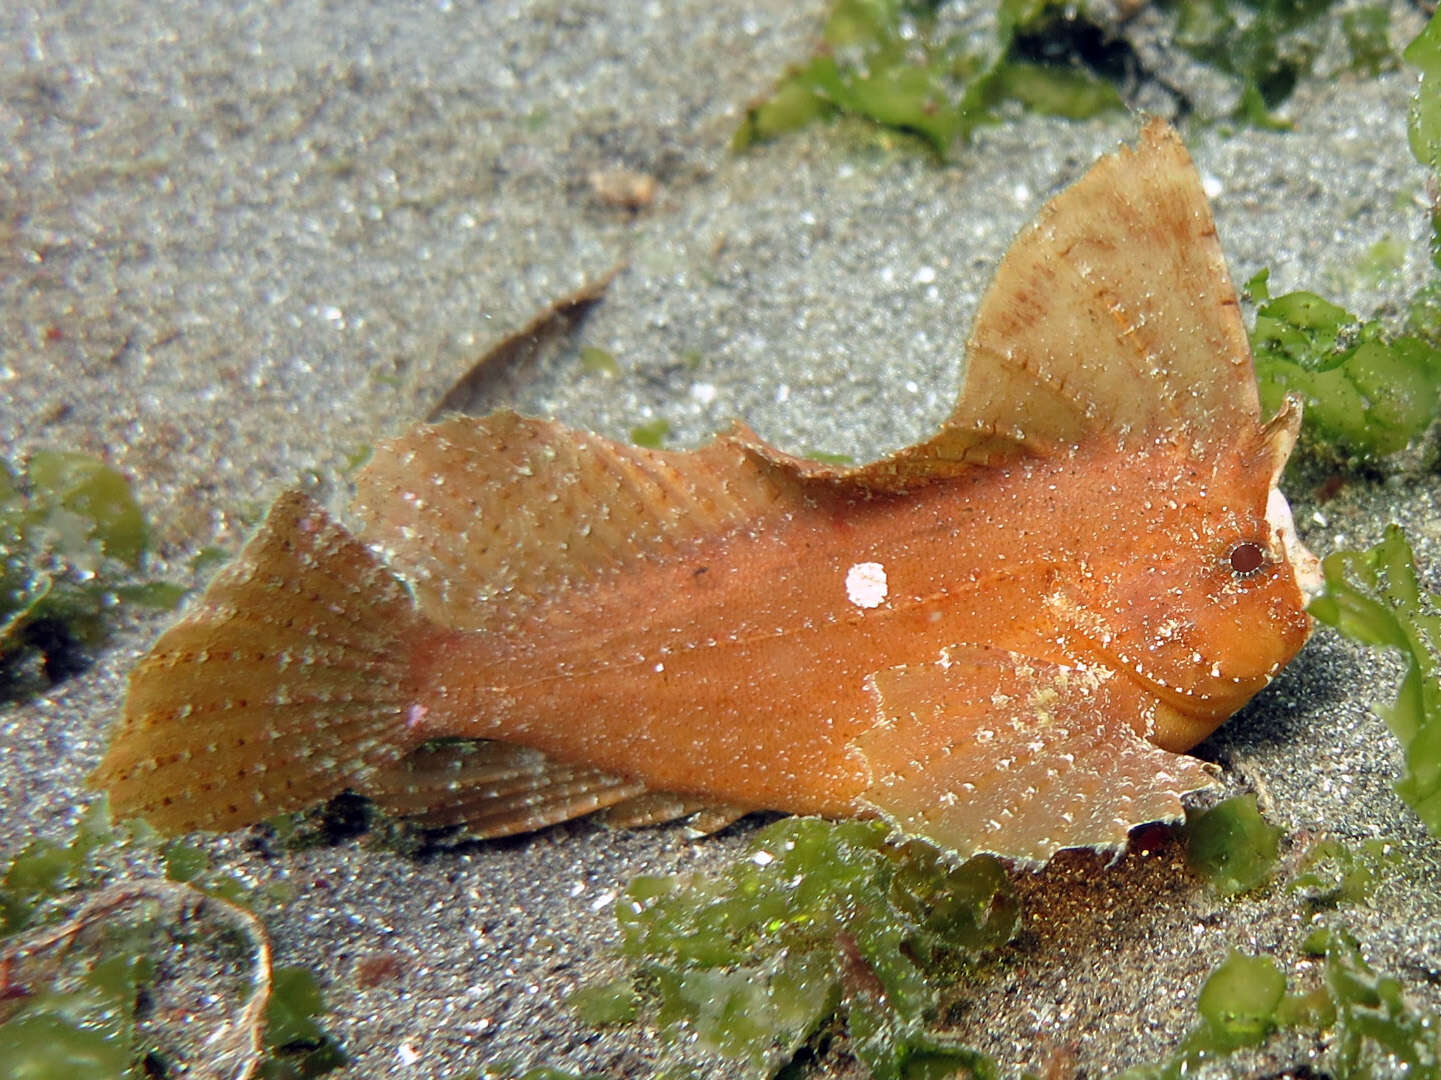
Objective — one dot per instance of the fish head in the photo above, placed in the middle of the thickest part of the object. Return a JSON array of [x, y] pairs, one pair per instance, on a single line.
[[1202, 597]]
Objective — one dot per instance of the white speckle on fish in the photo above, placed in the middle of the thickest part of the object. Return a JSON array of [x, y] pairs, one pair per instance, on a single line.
[[866, 584]]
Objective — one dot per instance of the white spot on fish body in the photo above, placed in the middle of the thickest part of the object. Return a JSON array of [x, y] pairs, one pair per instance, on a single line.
[[866, 584]]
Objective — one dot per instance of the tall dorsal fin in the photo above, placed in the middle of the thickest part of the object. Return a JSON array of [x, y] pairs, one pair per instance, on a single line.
[[471, 510], [1113, 314], [1111, 317]]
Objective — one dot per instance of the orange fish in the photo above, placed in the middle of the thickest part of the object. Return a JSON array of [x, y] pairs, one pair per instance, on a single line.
[[1000, 639]]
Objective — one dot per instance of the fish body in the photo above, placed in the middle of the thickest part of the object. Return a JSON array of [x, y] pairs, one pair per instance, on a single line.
[[1000, 639]]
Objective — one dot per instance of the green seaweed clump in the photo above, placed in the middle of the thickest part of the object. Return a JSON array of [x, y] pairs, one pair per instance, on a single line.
[[1367, 1023], [508, 1071], [85, 1032], [598, 361], [144, 969], [1268, 45], [651, 436], [1333, 873], [1376, 598], [820, 920], [1364, 389], [1238, 1002], [1423, 129], [1241, 1004], [297, 1046], [605, 1004], [71, 544], [44, 871], [890, 62], [1232, 846], [1374, 1027]]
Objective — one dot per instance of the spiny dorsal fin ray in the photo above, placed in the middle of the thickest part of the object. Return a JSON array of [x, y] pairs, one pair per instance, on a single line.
[[472, 510], [1112, 316], [280, 687], [987, 751]]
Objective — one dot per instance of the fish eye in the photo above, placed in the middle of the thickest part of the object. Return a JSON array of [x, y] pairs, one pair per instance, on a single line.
[[1246, 558]]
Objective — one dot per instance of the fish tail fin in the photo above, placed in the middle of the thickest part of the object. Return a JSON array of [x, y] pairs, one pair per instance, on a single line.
[[283, 685]]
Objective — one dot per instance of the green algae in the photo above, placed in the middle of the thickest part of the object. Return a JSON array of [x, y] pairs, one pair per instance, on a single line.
[[87, 1009], [1367, 33], [651, 435], [877, 61], [1073, 93], [604, 1004], [1232, 846], [1423, 129], [1269, 45], [1369, 1027], [1238, 1003], [184, 862], [86, 1033], [1383, 260], [189, 865], [1241, 1004], [72, 544], [45, 870], [1375, 597], [820, 920], [212, 558], [298, 1045], [598, 361], [1367, 390], [1364, 389], [893, 63], [1333, 873], [1375, 1028], [507, 1071]]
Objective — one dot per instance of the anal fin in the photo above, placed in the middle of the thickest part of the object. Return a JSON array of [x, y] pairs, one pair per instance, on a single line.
[[494, 788], [985, 750], [659, 807]]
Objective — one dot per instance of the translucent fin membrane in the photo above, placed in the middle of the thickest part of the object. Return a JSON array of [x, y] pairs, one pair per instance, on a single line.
[[473, 511], [494, 789], [658, 807]]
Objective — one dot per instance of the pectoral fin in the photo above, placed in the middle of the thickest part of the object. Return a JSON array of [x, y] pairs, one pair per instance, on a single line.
[[985, 750]]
